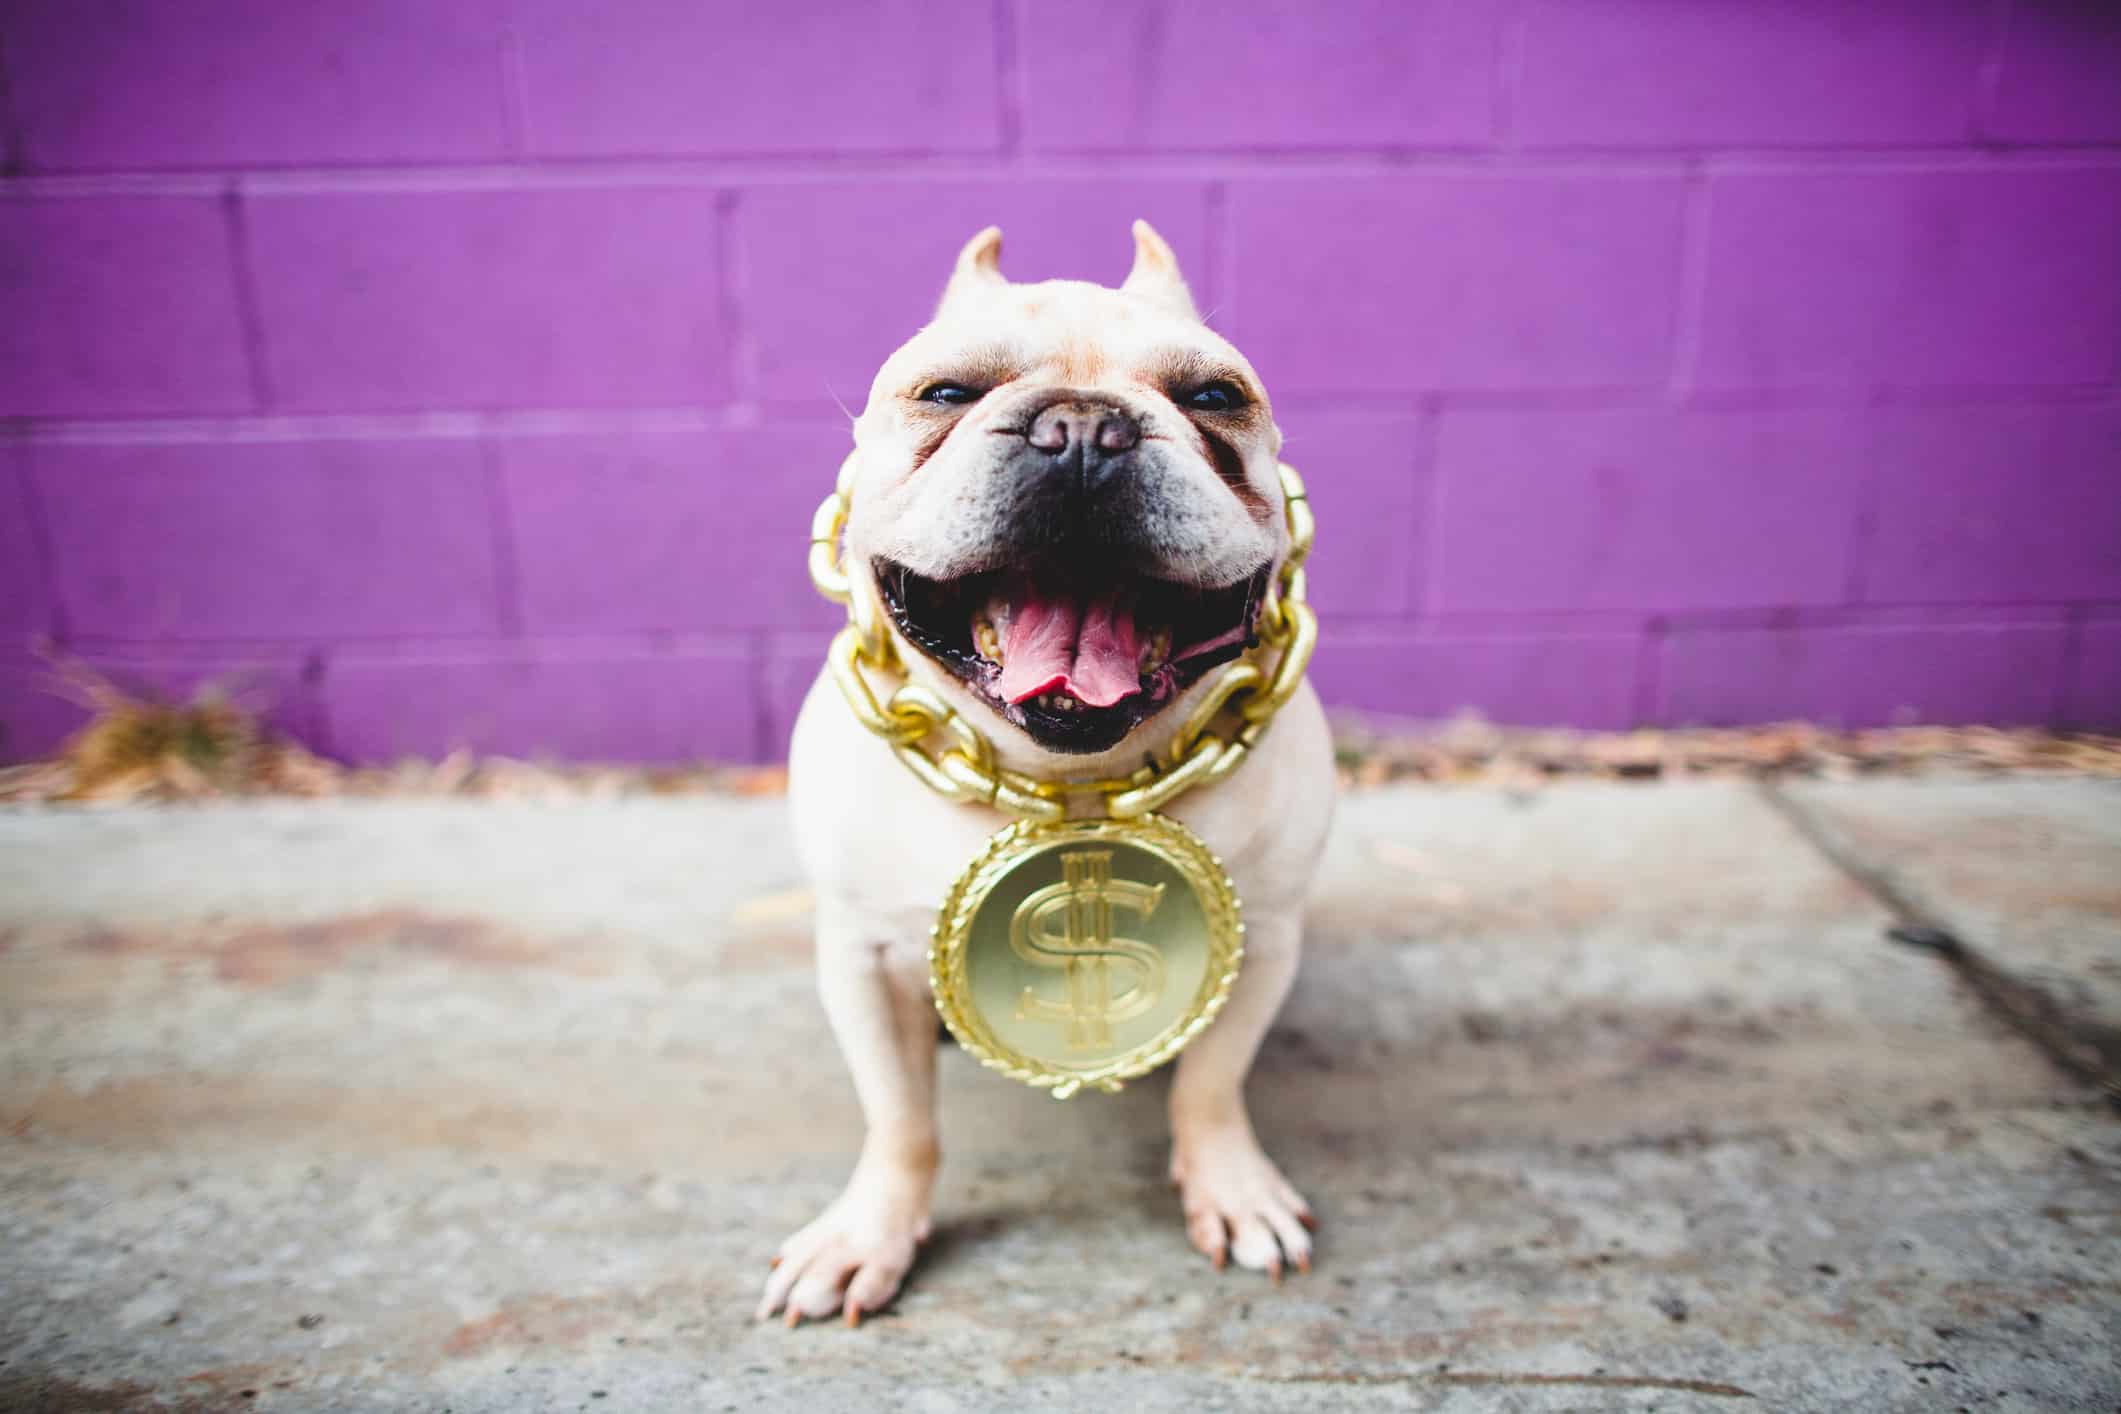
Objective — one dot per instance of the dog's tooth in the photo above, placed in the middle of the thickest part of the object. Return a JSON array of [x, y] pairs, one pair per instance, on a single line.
[[987, 641], [1156, 650]]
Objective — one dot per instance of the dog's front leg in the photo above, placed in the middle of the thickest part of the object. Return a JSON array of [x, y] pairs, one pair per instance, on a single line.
[[859, 1249], [1236, 1202]]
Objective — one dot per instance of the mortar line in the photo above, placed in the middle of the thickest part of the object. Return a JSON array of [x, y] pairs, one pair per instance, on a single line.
[[1215, 239], [242, 274], [1690, 300], [2002, 997], [2074, 618], [1423, 597], [14, 143], [515, 91], [915, 166], [1506, 79], [31, 495], [1863, 537], [1653, 643], [763, 746], [1008, 83], [501, 539], [740, 360], [1988, 73]]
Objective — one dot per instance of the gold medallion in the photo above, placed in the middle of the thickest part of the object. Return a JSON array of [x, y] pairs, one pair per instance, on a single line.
[[1086, 952]]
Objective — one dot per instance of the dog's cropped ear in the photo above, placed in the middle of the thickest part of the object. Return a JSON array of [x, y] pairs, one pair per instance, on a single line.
[[978, 271], [1155, 273]]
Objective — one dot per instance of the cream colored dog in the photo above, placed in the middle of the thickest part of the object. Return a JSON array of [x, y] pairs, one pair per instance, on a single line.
[[1066, 507]]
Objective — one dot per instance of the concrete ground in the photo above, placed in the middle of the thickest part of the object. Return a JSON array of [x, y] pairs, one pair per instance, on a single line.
[[1610, 1097]]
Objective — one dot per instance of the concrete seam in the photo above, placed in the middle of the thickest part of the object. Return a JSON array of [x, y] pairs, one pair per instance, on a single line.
[[2022, 1007]]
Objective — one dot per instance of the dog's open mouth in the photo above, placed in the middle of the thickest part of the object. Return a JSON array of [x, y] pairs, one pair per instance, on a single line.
[[1078, 662]]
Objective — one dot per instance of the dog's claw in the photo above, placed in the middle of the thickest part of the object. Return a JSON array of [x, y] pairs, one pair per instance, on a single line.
[[795, 1317], [1303, 1263], [773, 1264], [1308, 1219], [854, 1315], [1274, 1271]]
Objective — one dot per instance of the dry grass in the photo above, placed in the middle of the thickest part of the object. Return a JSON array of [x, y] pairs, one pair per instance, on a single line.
[[137, 748], [1472, 750]]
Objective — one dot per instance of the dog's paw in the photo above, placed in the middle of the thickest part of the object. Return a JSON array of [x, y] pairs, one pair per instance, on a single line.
[[1237, 1204], [852, 1256]]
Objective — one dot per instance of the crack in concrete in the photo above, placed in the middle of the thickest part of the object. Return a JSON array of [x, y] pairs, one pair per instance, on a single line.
[[1492, 1379], [2080, 1048]]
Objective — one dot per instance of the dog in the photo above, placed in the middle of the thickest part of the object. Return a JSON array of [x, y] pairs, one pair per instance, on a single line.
[[1064, 501]]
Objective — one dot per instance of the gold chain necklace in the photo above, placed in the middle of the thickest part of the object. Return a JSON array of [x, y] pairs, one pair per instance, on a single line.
[[1029, 972]]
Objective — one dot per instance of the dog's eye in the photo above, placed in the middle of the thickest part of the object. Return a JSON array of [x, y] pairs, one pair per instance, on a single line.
[[948, 394], [1219, 396]]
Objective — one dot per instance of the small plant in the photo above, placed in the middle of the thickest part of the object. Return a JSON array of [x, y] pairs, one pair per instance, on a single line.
[[137, 746]]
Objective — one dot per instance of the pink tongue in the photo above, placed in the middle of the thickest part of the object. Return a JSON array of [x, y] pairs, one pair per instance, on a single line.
[[1088, 650]]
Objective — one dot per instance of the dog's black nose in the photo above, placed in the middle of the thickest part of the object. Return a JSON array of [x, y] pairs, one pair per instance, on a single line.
[[1088, 441]]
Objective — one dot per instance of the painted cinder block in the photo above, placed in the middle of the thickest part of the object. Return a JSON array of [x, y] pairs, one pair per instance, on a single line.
[[691, 701], [672, 77], [838, 274], [1369, 489], [1529, 679], [793, 664], [1645, 509], [1461, 281], [1908, 278], [2059, 79], [2091, 697], [128, 84], [567, 297], [218, 540], [1195, 74], [1648, 73], [36, 715], [1995, 505], [25, 608], [118, 305], [1863, 675], [669, 528]]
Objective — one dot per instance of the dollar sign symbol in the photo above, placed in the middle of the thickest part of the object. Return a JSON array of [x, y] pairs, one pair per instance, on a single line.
[[1084, 948]]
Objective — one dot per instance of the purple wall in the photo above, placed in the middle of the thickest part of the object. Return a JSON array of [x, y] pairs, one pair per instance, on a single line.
[[466, 372]]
